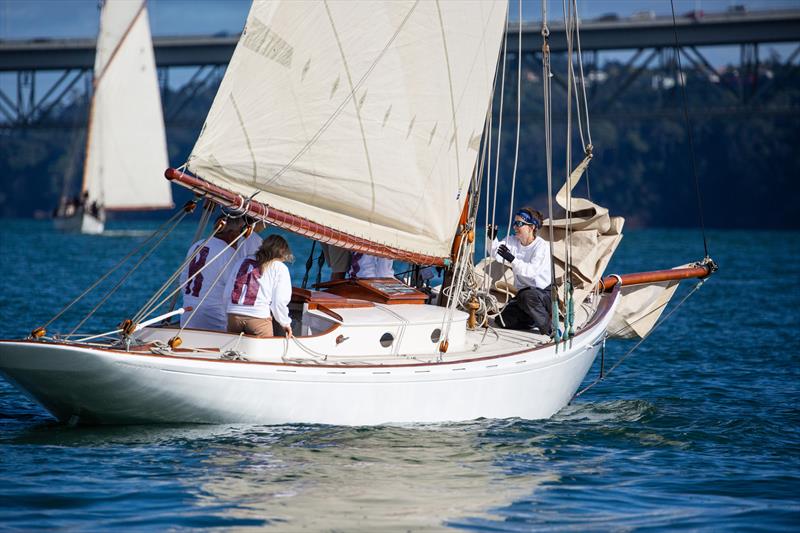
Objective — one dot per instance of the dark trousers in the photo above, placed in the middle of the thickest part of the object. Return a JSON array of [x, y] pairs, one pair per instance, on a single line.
[[530, 308]]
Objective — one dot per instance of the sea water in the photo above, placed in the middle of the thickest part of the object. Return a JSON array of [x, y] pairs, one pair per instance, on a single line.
[[698, 428]]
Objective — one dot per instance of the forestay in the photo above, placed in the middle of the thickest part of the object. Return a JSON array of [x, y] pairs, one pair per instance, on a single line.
[[126, 146], [364, 117]]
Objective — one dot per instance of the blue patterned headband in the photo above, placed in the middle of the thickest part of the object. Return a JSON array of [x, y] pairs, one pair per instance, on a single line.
[[524, 215]]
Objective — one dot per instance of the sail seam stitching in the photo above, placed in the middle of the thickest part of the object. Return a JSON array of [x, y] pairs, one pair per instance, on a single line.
[[246, 137], [450, 87], [356, 106], [341, 106]]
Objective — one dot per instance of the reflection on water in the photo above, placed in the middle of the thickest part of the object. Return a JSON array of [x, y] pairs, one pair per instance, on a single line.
[[362, 479], [294, 477]]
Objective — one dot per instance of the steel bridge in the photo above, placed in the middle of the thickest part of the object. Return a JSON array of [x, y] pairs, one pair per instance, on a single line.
[[43, 75]]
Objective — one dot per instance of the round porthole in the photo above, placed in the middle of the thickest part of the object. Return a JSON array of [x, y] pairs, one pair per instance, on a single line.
[[387, 339], [436, 335]]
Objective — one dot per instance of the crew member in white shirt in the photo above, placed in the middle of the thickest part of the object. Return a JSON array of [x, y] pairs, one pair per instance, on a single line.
[[209, 260], [259, 289], [529, 257], [251, 243], [370, 266]]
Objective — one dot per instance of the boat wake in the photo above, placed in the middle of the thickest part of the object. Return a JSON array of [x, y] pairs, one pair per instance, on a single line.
[[126, 233], [611, 411]]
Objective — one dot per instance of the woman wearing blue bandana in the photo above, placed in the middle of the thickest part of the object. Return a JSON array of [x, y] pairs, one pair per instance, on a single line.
[[529, 258]]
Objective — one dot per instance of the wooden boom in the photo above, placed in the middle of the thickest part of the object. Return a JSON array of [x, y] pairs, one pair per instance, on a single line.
[[700, 270], [299, 225]]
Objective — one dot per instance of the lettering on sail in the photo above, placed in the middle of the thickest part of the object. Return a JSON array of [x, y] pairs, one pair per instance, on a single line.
[[264, 41]]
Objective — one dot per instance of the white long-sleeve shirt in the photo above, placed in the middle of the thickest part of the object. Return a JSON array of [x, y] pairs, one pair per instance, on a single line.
[[368, 266], [248, 246], [531, 265], [250, 292], [211, 314]]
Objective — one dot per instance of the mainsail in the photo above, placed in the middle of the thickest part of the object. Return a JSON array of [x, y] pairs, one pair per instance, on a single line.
[[126, 145], [362, 117]]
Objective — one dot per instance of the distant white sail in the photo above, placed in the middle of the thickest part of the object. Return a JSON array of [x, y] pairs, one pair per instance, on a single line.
[[126, 146], [364, 117]]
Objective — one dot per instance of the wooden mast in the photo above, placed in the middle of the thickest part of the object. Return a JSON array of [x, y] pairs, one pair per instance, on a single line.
[[299, 225]]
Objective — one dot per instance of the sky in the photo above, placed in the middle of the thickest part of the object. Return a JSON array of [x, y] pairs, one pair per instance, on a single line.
[[31, 19]]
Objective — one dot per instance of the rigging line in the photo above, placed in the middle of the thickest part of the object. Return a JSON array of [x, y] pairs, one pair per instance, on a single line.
[[488, 186], [131, 271], [145, 309], [113, 269], [488, 141], [208, 209], [568, 28], [682, 82], [548, 141], [199, 271], [629, 352], [519, 103], [341, 106], [580, 66], [213, 283], [499, 136]]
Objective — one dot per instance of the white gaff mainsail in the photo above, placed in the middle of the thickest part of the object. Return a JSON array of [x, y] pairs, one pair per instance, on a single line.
[[364, 117], [126, 145]]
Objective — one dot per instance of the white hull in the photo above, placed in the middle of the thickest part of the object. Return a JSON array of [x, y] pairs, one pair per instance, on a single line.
[[80, 222], [111, 386]]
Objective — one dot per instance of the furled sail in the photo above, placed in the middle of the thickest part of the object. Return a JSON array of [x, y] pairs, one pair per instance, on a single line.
[[594, 238], [126, 145], [363, 117]]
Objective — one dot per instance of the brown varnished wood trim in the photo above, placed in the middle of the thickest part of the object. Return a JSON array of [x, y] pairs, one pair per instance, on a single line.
[[299, 225], [602, 311]]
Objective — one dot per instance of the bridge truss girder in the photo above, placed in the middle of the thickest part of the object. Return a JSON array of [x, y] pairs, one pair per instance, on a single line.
[[28, 98]]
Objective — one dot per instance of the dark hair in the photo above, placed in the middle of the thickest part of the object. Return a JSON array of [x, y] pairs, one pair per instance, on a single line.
[[535, 215], [273, 247]]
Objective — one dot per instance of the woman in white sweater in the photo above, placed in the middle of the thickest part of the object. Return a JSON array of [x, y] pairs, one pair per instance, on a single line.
[[259, 290]]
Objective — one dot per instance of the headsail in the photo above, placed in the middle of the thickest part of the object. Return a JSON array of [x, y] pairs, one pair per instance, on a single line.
[[362, 117], [126, 145]]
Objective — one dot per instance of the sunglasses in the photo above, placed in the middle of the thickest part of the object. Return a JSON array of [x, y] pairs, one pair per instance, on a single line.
[[520, 223]]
